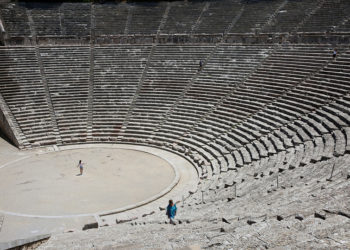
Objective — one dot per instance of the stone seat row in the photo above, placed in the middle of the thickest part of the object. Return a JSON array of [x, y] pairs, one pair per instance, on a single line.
[[326, 145], [303, 139]]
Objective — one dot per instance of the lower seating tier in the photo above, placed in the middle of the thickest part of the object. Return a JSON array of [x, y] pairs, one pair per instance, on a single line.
[[244, 104]]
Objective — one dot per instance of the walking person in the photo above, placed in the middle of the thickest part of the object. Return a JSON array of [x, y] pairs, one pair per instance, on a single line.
[[334, 54], [81, 167], [171, 212]]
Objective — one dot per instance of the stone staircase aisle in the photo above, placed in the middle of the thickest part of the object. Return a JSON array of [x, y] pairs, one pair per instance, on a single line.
[[135, 97], [48, 97]]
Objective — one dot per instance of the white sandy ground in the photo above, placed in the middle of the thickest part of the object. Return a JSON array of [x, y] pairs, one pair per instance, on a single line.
[[50, 184]]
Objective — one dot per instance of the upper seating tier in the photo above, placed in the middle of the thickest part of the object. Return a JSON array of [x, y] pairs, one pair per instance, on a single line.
[[84, 20]]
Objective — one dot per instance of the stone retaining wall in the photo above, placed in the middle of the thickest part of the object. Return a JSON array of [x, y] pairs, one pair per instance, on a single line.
[[6, 128]]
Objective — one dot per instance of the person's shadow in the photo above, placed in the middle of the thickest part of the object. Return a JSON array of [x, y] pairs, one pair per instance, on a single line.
[[78, 175]]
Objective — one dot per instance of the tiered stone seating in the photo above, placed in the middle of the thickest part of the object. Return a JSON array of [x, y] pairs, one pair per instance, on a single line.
[[242, 101], [222, 73], [117, 73], [182, 17], [22, 88], [264, 125], [15, 20], [218, 16], [75, 19], [322, 87], [332, 142], [278, 66], [328, 17], [288, 89], [314, 124], [322, 127], [290, 15], [255, 16], [67, 70], [243, 158], [236, 210], [170, 70], [46, 19], [146, 17], [344, 26], [110, 19]]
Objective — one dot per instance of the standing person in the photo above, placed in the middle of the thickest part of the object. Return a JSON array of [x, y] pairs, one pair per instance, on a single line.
[[81, 167], [171, 212], [200, 65], [334, 53]]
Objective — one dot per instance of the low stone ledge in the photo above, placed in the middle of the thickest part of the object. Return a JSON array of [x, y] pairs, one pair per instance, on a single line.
[[23, 242]]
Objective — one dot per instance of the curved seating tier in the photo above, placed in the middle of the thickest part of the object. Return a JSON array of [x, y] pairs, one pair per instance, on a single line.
[[291, 13], [335, 12], [146, 17], [66, 70], [117, 73], [76, 19], [216, 18], [15, 20], [110, 19], [246, 103], [67, 20], [22, 88], [171, 69], [182, 17], [46, 20], [255, 15]]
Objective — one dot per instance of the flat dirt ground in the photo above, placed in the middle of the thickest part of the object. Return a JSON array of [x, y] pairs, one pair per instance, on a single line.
[[50, 184]]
